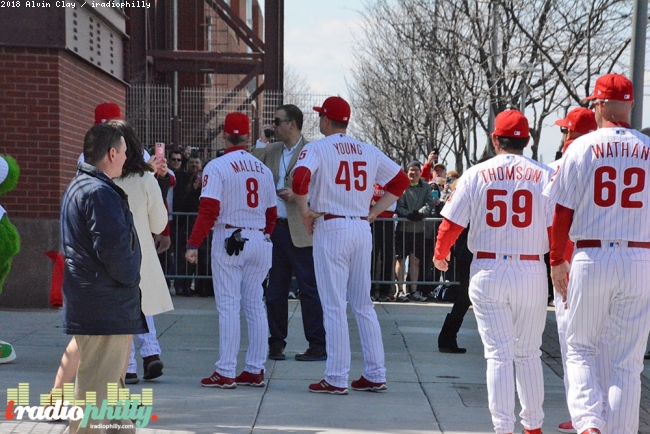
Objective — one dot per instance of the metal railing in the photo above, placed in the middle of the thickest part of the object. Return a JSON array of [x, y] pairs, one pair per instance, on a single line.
[[408, 244]]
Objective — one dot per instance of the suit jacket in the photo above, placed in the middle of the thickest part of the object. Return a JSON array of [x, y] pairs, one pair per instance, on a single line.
[[271, 156]]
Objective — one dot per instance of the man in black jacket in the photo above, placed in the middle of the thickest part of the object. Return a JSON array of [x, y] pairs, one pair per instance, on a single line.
[[102, 269]]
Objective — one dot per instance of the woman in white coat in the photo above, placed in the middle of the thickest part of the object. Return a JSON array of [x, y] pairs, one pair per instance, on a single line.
[[150, 217]]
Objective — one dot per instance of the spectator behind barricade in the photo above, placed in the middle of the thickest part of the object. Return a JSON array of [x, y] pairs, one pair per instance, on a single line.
[[183, 204], [186, 153], [427, 169], [383, 250], [415, 204], [174, 162], [459, 270]]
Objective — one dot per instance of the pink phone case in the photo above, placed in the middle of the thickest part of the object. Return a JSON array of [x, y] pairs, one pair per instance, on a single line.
[[160, 151]]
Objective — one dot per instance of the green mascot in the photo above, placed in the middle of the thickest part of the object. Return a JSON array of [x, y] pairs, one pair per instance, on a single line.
[[9, 239]]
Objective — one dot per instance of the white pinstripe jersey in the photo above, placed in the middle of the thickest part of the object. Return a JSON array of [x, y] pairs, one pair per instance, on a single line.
[[244, 187], [502, 198], [343, 173], [604, 179]]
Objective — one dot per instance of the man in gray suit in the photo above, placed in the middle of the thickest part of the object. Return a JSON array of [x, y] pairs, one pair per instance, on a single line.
[[292, 245]]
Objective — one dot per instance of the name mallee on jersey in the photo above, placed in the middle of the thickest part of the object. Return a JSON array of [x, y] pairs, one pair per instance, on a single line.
[[247, 166]]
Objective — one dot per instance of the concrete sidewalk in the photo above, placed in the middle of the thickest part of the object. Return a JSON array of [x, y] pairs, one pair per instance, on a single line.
[[428, 392]]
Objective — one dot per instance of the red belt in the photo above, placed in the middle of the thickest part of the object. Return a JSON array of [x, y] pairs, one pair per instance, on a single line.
[[237, 227], [334, 216], [582, 244], [488, 255]]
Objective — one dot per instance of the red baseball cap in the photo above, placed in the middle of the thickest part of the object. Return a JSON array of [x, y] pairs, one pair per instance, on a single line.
[[336, 109], [616, 87], [107, 111], [580, 119], [236, 124], [511, 123]]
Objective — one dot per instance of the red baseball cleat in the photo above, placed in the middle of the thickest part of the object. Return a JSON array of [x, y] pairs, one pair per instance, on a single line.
[[325, 387], [364, 384], [248, 379], [216, 380], [567, 427], [533, 431]]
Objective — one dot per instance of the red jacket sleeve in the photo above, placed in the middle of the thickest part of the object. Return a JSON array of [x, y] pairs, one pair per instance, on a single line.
[[448, 233], [426, 171], [208, 213], [301, 178], [562, 220], [271, 217]]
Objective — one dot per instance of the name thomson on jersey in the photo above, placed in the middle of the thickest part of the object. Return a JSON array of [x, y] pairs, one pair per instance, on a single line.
[[620, 149], [515, 173]]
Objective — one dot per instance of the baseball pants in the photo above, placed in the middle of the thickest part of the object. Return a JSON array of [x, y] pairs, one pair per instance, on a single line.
[[237, 283], [148, 343], [608, 295], [602, 361], [509, 298], [342, 254]]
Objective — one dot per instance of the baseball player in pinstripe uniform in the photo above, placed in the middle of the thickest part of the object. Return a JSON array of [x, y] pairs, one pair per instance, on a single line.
[[578, 122], [238, 204], [602, 199], [510, 219], [342, 172]]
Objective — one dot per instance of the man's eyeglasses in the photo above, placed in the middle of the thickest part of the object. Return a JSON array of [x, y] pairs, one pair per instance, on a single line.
[[278, 121], [564, 130], [175, 159]]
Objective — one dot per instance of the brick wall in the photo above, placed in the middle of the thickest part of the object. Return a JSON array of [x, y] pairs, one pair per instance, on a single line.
[[47, 102], [46, 107]]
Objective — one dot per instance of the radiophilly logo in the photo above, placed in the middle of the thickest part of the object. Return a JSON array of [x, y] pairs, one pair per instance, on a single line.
[[119, 406]]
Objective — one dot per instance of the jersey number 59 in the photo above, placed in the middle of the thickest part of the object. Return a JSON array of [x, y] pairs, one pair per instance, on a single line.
[[521, 205]]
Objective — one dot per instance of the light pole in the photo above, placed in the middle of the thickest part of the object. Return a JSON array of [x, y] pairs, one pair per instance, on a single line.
[[524, 68]]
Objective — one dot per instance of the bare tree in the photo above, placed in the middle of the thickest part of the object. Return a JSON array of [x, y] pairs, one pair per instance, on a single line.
[[461, 59]]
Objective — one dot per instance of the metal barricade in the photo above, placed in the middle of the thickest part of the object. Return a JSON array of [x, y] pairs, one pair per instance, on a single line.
[[404, 245]]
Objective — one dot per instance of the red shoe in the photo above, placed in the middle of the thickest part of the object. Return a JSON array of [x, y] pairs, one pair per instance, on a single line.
[[216, 380], [591, 431], [533, 431], [567, 427], [248, 379], [325, 387], [364, 384]]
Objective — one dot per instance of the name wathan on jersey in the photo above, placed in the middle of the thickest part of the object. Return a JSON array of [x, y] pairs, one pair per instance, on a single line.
[[620, 149], [247, 166], [512, 173]]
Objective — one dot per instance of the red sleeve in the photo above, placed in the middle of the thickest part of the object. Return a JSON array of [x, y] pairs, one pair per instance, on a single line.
[[166, 231], [208, 213], [448, 232], [398, 184], [426, 172], [271, 217], [301, 178], [172, 179], [562, 220]]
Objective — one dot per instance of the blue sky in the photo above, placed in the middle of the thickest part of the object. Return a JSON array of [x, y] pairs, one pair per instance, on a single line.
[[319, 40]]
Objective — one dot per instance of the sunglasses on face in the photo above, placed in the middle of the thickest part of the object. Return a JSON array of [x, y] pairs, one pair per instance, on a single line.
[[175, 159], [564, 130], [278, 121]]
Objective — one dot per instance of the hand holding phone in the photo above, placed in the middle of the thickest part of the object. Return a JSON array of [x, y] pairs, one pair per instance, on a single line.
[[159, 151]]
